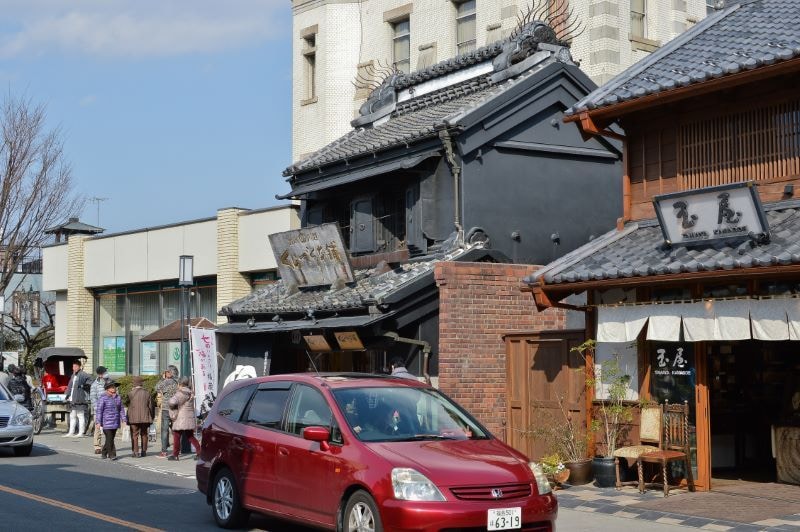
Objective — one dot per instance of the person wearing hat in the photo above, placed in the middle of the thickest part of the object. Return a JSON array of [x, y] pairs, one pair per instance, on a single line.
[[140, 415], [18, 385], [95, 392], [109, 417]]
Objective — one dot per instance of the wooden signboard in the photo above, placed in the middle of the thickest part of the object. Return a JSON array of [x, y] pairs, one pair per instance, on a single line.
[[317, 343], [313, 256], [349, 340]]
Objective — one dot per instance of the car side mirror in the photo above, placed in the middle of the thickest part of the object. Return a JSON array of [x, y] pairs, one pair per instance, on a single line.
[[19, 398], [318, 434]]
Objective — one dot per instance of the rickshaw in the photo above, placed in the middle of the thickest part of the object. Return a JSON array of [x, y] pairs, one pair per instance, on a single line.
[[54, 369]]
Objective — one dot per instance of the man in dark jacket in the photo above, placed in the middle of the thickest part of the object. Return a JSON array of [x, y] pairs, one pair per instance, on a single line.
[[18, 385], [77, 395]]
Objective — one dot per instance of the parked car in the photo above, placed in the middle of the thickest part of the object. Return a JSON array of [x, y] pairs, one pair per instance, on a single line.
[[363, 452], [16, 424]]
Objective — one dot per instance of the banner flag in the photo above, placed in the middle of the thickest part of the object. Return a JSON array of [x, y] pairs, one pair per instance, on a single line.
[[203, 345]]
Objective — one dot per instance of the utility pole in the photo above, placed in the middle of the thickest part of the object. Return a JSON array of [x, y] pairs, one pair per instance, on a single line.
[[96, 200]]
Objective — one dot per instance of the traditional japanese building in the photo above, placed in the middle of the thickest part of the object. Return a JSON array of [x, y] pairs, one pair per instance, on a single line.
[[453, 180], [698, 288]]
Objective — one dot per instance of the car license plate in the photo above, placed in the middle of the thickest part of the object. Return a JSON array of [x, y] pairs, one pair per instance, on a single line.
[[504, 519]]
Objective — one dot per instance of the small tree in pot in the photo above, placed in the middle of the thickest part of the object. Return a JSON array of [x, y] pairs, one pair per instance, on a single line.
[[614, 412]]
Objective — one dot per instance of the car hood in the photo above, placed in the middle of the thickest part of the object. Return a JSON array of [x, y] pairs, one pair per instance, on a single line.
[[11, 408], [458, 462]]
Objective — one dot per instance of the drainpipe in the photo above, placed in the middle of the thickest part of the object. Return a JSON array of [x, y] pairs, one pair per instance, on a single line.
[[426, 350], [455, 168]]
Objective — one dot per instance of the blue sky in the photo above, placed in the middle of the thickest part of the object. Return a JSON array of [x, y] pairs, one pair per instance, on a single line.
[[171, 109]]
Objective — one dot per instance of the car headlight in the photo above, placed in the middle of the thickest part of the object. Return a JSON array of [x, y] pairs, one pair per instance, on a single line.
[[411, 485], [541, 479], [24, 418]]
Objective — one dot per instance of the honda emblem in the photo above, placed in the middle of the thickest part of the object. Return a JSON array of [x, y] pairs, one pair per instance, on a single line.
[[497, 493]]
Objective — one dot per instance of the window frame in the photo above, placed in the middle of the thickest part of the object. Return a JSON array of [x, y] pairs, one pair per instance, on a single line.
[[267, 387], [309, 54], [469, 45], [400, 35], [641, 21], [251, 388]]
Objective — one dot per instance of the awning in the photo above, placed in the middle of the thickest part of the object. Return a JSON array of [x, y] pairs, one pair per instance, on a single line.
[[171, 332], [709, 320], [338, 322], [363, 173]]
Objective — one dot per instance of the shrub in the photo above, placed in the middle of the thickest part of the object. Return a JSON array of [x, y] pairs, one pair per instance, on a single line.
[[125, 385]]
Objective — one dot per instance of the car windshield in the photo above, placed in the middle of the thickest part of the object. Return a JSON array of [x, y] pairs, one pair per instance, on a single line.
[[5, 395], [405, 414]]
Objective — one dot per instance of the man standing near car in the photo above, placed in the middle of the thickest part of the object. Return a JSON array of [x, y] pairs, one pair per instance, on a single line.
[[166, 388], [95, 392], [77, 395]]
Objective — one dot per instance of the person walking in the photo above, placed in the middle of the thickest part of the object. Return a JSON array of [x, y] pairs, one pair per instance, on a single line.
[[110, 417], [140, 416], [183, 418], [18, 385], [77, 395], [96, 391], [399, 369], [166, 388]]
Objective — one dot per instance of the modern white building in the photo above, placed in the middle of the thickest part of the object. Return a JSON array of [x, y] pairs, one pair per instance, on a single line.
[[341, 46], [112, 290]]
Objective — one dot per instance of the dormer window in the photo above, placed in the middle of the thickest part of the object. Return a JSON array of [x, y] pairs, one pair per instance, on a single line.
[[466, 35], [401, 45]]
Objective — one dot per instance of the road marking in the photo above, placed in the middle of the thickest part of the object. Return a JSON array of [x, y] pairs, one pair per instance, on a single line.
[[78, 510]]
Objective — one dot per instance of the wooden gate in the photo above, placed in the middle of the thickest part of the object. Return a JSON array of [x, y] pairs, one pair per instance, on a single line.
[[541, 368]]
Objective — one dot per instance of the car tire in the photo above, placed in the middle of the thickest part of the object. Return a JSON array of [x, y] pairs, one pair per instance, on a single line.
[[361, 514], [24, 450], [226, 505]]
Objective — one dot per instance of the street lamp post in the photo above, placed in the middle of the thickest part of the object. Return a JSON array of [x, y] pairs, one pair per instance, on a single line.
[[2, 330], [185, 280]]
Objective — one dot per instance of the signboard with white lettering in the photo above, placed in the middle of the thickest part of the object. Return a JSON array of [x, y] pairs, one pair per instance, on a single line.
[[312, 256], [710, 214]]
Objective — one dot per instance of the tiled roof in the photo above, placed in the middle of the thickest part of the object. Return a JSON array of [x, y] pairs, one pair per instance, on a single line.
[[450, 65], [411, 121], [744, 36], [639, 251], [369, 287]]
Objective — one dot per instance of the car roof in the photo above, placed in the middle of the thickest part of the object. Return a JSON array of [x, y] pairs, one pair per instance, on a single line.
[[336, 380]]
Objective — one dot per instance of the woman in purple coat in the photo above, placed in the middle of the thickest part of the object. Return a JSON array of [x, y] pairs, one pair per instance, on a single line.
[[109, 414]]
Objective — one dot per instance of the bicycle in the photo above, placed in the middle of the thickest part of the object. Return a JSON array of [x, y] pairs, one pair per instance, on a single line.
[[38, 400]]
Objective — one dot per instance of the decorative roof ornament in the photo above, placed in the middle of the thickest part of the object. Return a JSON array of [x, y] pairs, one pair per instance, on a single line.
[[382, 99]]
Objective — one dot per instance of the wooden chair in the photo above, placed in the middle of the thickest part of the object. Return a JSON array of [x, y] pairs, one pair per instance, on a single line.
[[649, 441], [676, 446]]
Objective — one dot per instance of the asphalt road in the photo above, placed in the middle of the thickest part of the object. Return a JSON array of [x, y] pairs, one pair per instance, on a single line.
[[68, 492]]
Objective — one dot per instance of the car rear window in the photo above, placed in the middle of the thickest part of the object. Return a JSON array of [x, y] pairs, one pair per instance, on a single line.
[[233, 404]]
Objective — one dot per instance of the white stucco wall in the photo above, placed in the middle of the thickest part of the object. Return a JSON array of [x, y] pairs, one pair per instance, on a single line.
[[61, 317], [54, 276], [255, 252]]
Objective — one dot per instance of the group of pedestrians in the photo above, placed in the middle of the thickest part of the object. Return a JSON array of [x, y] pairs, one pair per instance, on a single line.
[[108, 412]]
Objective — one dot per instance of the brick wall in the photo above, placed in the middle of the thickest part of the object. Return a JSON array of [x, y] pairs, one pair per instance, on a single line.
[[479, 303], [231, 285], [80, 301]]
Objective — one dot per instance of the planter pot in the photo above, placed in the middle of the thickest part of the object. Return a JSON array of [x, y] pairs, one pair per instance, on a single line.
[[580, 472], [556, 479], [605, 475]]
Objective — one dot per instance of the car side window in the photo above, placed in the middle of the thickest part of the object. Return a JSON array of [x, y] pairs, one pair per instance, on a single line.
[[308, 409], [267, 407], [233, 404]]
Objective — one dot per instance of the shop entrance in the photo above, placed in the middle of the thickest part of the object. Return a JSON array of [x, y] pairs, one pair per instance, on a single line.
[[751, 387]]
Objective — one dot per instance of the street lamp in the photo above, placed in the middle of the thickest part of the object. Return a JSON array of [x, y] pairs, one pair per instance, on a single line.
[[185, 280], [2, 329]]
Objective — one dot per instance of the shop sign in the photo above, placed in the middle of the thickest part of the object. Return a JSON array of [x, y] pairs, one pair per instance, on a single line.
[[114, 354], [313, 256], [711, 214], [349, 340], [673, 372], [317, 343]]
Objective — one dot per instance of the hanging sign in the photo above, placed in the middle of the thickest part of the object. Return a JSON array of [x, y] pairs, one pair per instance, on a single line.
[[711, 214], [349, 340], [317, 342], [203, 345], [313, 256]]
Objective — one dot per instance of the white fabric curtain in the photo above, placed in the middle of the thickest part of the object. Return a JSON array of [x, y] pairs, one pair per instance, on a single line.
[[793, 317], [665, 322], [699, 321], [769, 319], [732, 319], [621, 324]]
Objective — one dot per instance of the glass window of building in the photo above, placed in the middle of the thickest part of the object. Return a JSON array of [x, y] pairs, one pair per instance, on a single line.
[[401, 46], [710, 6], [310, 66], [466, 35], [638, 21]]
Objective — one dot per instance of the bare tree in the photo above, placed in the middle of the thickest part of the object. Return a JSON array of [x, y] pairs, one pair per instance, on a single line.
[[36, 188], [33, 338]]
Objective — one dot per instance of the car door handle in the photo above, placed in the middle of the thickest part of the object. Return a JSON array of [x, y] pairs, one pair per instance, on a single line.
[[283, 451], [238, 443]]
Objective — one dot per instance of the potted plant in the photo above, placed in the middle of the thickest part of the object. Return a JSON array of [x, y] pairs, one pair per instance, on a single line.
[[554, 469], [613, 413]]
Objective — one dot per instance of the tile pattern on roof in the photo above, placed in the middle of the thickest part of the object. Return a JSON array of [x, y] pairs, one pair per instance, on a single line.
[[742, 37], [641, 252], [368, 287]]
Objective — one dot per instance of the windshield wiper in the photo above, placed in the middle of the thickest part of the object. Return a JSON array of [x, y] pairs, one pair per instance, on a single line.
[[422, 437]]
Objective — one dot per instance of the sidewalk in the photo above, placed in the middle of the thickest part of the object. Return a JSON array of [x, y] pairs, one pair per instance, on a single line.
[[769, 507], [53, 439]]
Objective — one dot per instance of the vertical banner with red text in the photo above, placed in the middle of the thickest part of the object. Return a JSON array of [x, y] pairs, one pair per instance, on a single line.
[[203, 344]]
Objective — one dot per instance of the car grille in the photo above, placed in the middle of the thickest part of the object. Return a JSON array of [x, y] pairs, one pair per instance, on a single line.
[[4, 421], [488, 493]]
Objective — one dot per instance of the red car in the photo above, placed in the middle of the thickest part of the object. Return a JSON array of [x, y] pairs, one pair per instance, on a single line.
[[363, 452]]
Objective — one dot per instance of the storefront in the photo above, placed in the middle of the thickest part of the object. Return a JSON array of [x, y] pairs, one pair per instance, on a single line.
[[708, 314]]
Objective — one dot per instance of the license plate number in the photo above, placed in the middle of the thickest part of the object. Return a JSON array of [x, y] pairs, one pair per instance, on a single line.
[[504, 519]]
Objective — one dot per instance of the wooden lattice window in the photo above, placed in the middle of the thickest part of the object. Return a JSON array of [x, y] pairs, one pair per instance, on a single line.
[[757, 144]]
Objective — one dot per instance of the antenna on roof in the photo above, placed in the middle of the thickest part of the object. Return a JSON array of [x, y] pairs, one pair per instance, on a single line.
[[97, 201], [311, 365]]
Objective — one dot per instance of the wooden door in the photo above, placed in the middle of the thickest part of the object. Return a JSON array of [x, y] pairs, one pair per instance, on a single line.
[[540, 369], [703, 422]]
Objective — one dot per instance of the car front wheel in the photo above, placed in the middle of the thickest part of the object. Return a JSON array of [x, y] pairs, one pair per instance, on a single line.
[[361, 514], [226, 503]]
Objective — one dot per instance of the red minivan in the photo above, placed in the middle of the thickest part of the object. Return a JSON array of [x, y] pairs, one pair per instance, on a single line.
[[359, 452]]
